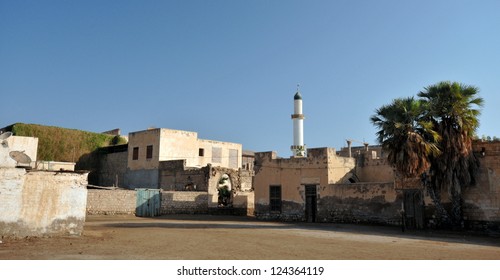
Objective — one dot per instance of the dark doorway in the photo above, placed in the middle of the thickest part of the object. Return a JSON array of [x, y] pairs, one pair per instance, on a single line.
[[413, 203], [311, 207]]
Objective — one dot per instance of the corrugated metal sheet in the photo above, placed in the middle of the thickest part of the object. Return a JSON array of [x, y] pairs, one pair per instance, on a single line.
[[148, 202]]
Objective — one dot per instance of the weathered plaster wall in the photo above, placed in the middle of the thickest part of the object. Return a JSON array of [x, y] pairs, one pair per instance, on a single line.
[[111, 202], [482, 201], [42, 203], [179, 144], [227, 158], [369, 169], [140, 140], [321, 167], [359, 203]]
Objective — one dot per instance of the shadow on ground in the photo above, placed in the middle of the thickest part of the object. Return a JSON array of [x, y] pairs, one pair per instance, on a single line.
[[235, 222]]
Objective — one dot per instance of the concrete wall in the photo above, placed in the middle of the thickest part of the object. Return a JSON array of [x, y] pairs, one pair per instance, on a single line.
[[111, 202], [142, 178], [42, 203]]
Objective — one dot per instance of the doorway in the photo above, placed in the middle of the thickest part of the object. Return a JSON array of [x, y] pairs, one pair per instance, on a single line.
[[413, 205], [311, 203]]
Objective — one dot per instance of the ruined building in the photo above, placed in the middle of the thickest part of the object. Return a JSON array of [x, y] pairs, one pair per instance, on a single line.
[[193, 175]]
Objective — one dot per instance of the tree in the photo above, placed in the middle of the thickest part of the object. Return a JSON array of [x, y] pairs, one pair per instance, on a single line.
[[407, 136], [453, 109]]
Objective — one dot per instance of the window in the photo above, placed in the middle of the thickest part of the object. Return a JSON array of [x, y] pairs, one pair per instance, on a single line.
[[135, 153], [233, 158], [201, 152], [275, 198], [216, 155], [149, 152]]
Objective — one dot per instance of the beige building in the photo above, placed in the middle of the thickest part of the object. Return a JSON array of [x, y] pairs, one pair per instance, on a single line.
[[146, 149], [286, 188]]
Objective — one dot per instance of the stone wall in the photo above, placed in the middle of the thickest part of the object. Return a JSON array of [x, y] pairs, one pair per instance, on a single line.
[[184, 202], [112, 169], [41, 203], [111, 202], [482, 200], [375, 203], [175, 176]]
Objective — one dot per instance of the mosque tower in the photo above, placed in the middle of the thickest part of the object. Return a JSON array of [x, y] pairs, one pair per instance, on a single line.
[[298, 147]]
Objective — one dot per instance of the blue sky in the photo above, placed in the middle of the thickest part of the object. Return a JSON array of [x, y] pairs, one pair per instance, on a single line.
[[229, 69]]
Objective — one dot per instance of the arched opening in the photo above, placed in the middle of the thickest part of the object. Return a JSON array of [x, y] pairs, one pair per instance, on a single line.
[[224, 189]]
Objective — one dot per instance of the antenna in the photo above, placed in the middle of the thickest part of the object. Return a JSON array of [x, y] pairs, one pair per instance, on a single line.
[[20, 157], [4, 137], [298, 87]]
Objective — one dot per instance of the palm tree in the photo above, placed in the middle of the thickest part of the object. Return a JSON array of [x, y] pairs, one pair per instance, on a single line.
[[409, 139], [453, 108]]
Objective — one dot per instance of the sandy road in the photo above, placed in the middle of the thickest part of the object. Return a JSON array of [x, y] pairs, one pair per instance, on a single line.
[[240, 238]]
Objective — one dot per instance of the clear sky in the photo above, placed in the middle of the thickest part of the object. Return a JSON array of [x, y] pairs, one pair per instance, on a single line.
[[229, 69]]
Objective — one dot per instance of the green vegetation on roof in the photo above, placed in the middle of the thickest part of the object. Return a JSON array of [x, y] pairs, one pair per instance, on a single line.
[[63, 144]]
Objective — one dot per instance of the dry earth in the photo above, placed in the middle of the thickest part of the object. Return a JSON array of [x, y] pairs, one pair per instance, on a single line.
[[241, 238]]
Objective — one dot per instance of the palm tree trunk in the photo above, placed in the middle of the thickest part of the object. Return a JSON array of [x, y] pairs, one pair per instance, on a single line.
[[443, 217]]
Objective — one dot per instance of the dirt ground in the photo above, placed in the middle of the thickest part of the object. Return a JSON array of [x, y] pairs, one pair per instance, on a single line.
[[240, 238]]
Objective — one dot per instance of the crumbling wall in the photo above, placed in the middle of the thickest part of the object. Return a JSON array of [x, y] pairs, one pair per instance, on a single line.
[[369, 169], [376, 203], [482, 200], [175, 176], [242, 194], [111, 202], [42, 203]]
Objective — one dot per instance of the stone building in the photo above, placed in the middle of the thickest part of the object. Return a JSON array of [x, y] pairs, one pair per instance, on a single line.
[[192, 173], [357, 185], [326, 187], [148, 148]]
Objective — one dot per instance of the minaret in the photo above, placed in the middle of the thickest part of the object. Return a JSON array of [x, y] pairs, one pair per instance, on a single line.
[[298, 148]]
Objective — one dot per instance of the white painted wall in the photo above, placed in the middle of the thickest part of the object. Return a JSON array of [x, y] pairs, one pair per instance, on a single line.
[[42, 203]]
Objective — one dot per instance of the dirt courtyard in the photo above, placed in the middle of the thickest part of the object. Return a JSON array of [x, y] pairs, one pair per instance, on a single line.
[[204, 237]]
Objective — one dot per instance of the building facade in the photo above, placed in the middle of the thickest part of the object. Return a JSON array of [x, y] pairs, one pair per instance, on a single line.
[[148, 148]]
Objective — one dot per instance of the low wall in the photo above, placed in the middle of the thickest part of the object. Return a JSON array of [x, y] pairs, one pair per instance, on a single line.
[[111, 202], [115, 202], [42, 203], [184, 202]]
